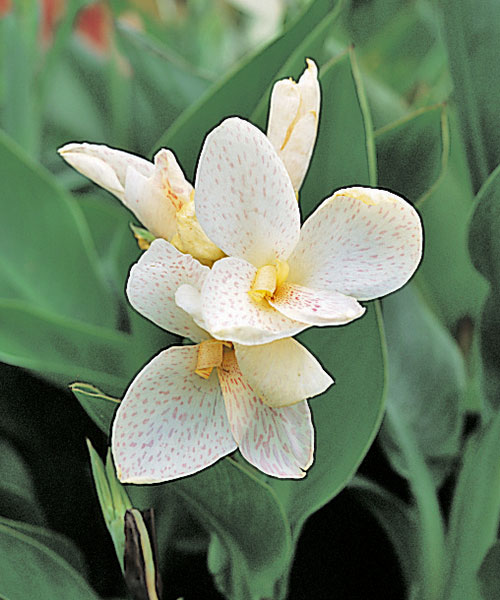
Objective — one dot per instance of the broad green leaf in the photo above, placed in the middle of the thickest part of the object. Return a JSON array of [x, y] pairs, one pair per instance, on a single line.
[[344, 154], [20, 106], [57, 542], [64, 350], [29, 569], [475, 512], [312, 46], [100, 407], [17, 494], [426, 382], [489, 574], [251, 542], [484, 249], [472, 34], [396, 518], [446, 277], [346, 417], [47, 255], [239, 92], [431, 541], [421, 140]]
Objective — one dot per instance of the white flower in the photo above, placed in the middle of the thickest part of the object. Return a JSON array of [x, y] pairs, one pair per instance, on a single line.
[[293, 121], [277, 279], [157, 193], [192, 405]]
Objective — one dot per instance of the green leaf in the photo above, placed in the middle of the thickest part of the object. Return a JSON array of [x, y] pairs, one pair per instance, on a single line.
[[239, 92], [346, 417], [30, 569], [113, 499], [484, 248], [431, 540], [47, 255], [458, 292], [396, 518], [344, 154], [17, 494], [250, 534], [64, 350], [426, 382], [97, 405], [475, 512], [421, 140], [57, 542], [489, 574], [472, 34]]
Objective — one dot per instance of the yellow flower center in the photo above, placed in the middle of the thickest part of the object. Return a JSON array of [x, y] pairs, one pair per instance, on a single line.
[[210, 356], [268, 279]]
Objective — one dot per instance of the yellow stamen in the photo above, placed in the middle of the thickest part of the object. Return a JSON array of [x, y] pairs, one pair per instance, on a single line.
[[210, 354], [264, 284], [268, 279]]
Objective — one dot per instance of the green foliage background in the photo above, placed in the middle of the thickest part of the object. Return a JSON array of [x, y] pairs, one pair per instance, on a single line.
[[409, 103]]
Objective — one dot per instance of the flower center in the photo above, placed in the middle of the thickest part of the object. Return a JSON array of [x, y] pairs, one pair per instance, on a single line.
[[268, 279], [210, 356]]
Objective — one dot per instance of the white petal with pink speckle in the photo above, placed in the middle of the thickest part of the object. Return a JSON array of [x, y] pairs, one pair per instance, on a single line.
[[171, 422], [152, 284], [230, 314], [364, 249], [315, 307], [278, 441], [244, 198]]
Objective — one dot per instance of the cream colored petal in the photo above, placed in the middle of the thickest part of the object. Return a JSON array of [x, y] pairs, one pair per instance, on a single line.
[[361, 242], [155, 199], [191, 239], [283, 372], [322, 308], [153, 282], [310, 91], [278, 441], [149, 204], [283, 110], [105, 166], [231, 314], [244, 199], [296, 155], [171, 422]]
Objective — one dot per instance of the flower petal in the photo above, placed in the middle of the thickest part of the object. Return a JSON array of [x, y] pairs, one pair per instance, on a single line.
[[293, 121], [156, 197], [283, 372], [283, 109], [315, 307], [105, 166], [230, 314], [171, 422], [188, 297], [244, 199], [362, 242], [278, 441], [153, 282], [297, 153]]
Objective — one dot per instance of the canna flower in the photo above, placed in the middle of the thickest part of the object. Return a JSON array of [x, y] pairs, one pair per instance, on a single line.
[[193, 404], [277, 279], [158, 193], [293, 121]]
